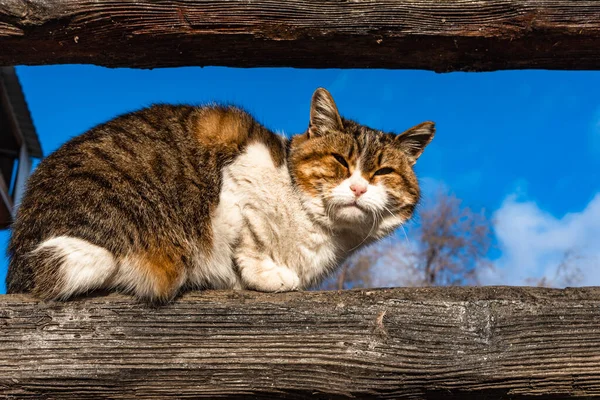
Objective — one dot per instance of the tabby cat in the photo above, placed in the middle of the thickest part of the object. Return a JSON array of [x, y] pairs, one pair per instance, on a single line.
[[172, 198]]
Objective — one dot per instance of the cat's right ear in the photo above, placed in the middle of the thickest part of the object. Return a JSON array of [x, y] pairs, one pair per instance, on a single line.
[[324, 115]]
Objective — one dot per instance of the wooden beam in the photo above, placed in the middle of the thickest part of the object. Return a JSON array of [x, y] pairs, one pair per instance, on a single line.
[[440, 35], [490, 343]]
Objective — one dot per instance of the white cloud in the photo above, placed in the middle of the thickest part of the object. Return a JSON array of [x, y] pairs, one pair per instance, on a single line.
[[533, 242]]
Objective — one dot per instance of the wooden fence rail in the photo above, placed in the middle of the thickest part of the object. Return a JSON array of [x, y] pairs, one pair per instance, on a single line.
[[490, 343], [441, 35]]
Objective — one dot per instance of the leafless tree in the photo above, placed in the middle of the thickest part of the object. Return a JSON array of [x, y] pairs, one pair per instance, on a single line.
[[453, 242]]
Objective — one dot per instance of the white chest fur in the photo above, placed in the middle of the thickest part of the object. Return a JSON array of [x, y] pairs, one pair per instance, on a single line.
[[259, 197]]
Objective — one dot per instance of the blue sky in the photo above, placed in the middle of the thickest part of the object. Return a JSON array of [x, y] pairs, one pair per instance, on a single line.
[[514, 140]]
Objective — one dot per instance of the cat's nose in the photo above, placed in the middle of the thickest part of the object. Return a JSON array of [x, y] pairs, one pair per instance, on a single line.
[[358, 189]]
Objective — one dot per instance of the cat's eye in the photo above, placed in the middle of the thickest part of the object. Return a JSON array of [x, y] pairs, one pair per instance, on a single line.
[[341, 160], [383, 171]]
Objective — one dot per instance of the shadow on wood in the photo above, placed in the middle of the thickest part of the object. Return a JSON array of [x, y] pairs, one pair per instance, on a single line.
[[491, 342]]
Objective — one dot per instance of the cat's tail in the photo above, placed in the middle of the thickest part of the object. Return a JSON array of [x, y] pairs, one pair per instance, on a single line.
[[61, 267]]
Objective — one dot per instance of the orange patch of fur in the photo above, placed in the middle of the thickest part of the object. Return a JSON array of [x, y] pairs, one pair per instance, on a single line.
[[228, 130], [162, 268], [223, 128]]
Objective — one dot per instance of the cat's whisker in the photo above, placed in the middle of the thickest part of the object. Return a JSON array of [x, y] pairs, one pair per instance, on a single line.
[[388, 210], [401, 226], [405, 235]]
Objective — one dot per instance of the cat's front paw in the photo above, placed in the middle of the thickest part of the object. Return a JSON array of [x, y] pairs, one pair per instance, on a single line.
[[284, 280], [269, 277]]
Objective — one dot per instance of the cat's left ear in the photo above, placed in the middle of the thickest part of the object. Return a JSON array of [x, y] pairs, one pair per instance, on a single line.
[[324, 115], [414, 140]]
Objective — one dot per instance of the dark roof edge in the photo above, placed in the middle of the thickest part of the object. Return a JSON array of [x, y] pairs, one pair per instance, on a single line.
[[17, 100]]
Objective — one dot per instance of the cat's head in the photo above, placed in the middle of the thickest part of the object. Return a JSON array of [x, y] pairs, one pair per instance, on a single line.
[[351, 175]]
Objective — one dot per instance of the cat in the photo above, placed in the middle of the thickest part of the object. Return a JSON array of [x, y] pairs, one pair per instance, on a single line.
[[173, 198]]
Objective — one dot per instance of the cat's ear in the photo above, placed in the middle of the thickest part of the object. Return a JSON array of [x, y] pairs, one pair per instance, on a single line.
[[414, 140], [324, 115]]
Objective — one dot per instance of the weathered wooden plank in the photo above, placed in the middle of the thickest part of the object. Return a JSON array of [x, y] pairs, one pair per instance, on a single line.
[[398, 343], [441, 35]]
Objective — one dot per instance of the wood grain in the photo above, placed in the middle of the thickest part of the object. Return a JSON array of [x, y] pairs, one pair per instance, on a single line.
[[440, 35], [475, 343]]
